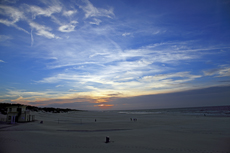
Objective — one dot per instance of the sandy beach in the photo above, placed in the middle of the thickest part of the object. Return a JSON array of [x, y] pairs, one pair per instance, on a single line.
[[151, 133]]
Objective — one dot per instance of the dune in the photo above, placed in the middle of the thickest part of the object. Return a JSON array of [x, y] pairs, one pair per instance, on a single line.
[[151, 133]]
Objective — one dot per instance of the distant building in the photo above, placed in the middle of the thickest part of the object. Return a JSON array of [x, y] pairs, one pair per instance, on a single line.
[[18, 114]]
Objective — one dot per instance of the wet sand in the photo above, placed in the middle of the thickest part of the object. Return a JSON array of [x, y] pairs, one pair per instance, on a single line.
[[151, 133]]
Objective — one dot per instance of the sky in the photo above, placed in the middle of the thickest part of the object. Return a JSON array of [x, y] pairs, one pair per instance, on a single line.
[[121, 54]]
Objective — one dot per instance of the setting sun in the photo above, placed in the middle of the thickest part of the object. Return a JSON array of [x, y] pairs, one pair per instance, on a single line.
[[104, 106]]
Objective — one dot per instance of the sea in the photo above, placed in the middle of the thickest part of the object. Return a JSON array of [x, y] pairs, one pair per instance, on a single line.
[[211, 111]]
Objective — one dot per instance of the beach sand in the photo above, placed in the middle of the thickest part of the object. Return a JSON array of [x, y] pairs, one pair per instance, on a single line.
[[151, 133]]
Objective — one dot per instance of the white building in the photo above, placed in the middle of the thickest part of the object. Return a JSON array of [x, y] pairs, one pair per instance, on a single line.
[[18, 114]]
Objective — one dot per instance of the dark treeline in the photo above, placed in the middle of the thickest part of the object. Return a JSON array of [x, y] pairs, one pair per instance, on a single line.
[[3, 108]]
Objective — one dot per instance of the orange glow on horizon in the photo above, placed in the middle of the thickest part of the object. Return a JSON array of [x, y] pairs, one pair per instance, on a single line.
[[104, 106]]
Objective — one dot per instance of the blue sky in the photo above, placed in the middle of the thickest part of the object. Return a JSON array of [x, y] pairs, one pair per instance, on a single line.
[[121, 54]]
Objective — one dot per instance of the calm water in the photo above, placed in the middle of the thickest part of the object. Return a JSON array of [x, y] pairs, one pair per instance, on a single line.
[[217, 111]]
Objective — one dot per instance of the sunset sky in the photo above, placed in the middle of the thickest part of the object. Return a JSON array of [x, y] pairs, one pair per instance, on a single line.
[[115, 54]]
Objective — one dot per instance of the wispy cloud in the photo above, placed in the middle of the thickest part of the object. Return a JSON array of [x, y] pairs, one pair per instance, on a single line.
[[58, 86], [1, 61], [9, 1], [14, 14], [37, 11], [120, 63], [32, 37], [69, 13], [174, 75], [91, 11], [4, 38], [29, 13], [95, 21], [72, 90], [9, 23], [126, 34], [124, 82], [218, 72], [68, 28], [42, 30]]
